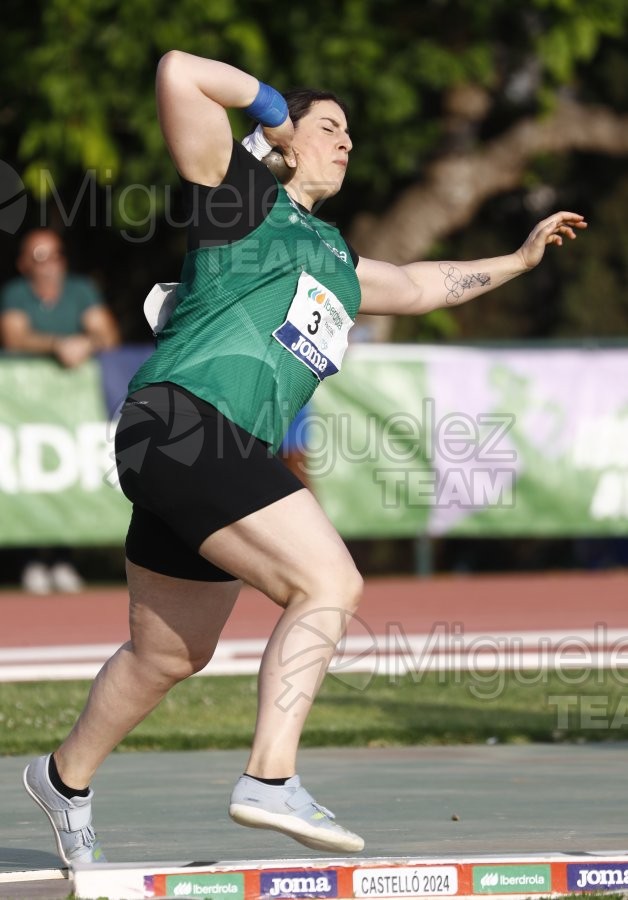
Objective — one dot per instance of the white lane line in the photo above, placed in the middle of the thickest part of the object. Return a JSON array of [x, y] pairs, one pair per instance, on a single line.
[[104, 651], [33, 875], [393, 654]]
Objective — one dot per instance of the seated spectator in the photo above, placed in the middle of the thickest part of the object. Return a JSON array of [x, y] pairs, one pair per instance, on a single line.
[[48, 312]]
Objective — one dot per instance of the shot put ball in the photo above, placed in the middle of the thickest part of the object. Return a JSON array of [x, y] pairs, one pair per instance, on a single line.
[[277, 165]]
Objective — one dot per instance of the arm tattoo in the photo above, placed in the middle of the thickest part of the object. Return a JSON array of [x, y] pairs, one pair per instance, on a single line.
[[457, 283]]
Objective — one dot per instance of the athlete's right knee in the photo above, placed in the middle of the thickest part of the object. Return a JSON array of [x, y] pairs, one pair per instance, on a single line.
[[340, 586], [351, 588], [166, 669]]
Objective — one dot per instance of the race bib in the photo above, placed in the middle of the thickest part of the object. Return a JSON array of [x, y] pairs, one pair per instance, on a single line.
[[316, 328]]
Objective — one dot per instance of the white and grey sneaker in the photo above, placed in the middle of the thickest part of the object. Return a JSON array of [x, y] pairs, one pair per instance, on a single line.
[[71, 820], [65, 578], [291, 810], [36, 579]]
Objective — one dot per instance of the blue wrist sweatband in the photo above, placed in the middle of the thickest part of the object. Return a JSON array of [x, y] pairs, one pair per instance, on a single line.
[[269, 107]]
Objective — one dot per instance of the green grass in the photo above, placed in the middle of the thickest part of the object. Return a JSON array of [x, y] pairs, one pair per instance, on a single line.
[[352, 710]]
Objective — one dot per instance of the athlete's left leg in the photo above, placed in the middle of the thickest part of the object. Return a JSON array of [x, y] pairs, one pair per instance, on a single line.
[[175, 626]]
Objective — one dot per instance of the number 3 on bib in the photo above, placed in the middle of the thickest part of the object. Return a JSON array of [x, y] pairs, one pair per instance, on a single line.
[[316, 328]]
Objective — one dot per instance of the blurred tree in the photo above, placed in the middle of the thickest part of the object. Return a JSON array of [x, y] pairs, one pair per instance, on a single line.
[[457, 106]]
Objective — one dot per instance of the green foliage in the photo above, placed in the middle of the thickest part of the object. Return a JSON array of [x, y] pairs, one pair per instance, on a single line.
[[88, 104], [594, 299], [574, 30], [438, 325], [77, 97]]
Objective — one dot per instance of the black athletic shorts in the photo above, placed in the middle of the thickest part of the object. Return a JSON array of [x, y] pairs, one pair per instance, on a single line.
[[189, 471]]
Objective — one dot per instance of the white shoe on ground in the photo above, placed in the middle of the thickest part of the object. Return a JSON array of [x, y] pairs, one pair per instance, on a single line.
[[71, 820], [65, 578], [36, 578], [291, 810]]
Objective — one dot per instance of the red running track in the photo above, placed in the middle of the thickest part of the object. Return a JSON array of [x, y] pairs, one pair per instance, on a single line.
[[486, 604]]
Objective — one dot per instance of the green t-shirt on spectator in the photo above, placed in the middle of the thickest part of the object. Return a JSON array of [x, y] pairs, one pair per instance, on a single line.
[[62, 317]]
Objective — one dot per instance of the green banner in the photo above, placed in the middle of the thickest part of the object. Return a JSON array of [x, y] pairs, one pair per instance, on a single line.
[[405, 441], [457, 441], [56, 457], [527, 878]]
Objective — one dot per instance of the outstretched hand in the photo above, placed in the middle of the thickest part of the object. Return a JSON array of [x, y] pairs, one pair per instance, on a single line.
[[550, 231]]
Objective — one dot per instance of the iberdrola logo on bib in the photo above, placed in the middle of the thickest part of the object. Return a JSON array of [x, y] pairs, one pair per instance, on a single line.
[[316, 328], [316, 295]]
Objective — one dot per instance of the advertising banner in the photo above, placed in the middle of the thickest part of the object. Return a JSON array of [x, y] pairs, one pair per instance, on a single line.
[[498, 876], [405, 441], [459, 441], [57, 484]]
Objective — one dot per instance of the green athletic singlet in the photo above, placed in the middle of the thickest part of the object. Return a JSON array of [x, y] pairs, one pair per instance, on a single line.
[[260, 321]]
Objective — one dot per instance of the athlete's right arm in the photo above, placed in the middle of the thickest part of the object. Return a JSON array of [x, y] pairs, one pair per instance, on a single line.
[[193, 95]]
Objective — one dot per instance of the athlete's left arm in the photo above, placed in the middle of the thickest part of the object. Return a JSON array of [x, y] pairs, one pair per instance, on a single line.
[[420, 287]]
